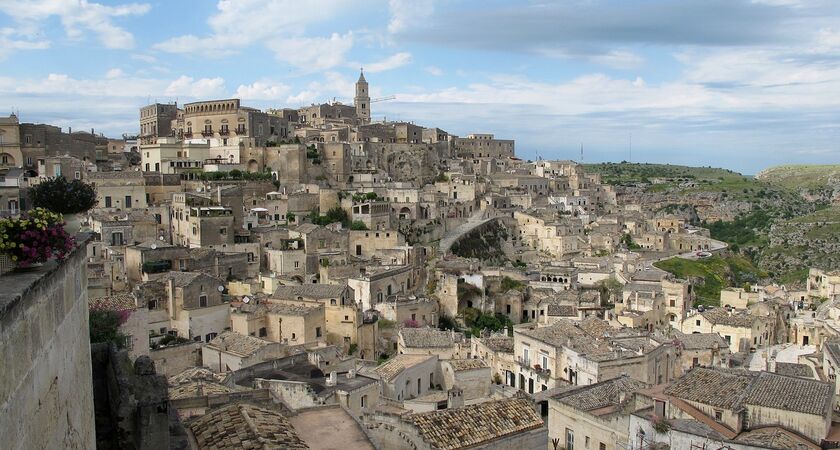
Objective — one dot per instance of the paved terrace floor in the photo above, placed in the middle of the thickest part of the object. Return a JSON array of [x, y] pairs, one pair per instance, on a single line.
[[330, 429]]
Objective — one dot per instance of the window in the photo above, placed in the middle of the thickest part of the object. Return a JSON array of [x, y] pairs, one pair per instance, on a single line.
[[317, 331], [543, 360], [659, 408], [697, 323], [673, 302], [728, 339], [718, 415], [128, 201], [223, 230], [602, 446], [508, 309], [202, 301], [363, 401], [117, 238], [263, 332], [107, 201], [77, 175], [333, 302], [695, 362], [297, 264], [586, 442], [570, 439]]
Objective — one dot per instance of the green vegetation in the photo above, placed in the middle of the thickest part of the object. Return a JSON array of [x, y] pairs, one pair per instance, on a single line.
[[628, 173], [333, 215], [385, 324], [477, 321], [441, 178], [509, 283], [742, 231], [104, 327], [799, 177], [358, 225], [627, 240], [234, 174], [717, 273], [447, 323], [365, 196]]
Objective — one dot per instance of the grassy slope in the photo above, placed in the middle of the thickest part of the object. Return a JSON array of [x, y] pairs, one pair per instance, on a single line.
[[716, 272], [797, 177]]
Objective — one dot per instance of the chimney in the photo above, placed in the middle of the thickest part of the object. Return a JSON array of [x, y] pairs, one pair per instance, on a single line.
[[351, 374], [622, 396], [91, 131], [332, 379], [455, 398]]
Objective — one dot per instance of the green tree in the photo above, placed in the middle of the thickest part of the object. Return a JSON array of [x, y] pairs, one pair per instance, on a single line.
[[104, 327]]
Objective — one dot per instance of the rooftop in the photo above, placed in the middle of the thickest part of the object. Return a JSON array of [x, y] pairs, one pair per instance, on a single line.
[[236, 343], [474, 425], [466, 364], [600, 395], [310, 291], [429, 337], [395, 366], [244, 426]]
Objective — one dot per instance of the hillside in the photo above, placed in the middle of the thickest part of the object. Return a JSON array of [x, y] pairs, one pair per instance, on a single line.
[[717, 273], [779, 228], [812, 182]]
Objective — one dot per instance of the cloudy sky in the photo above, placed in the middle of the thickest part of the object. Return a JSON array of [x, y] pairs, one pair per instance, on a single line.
[[742, 84]]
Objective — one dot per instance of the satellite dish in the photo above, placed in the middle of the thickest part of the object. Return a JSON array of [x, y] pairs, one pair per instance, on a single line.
[[160, 238], [221, 288], [154, 246], [246, 299]]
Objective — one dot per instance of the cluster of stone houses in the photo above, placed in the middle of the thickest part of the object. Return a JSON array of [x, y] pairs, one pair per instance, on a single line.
[[290, 267]]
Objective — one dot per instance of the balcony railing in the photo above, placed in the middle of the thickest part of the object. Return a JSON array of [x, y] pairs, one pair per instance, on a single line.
[[224, 132], [207, 133], [523, 361]]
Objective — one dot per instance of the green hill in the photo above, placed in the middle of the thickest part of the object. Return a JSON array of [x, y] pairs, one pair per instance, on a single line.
[[717, 273], [799, 177]]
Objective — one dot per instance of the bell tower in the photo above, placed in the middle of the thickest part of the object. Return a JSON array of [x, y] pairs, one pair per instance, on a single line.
[[362, 99]]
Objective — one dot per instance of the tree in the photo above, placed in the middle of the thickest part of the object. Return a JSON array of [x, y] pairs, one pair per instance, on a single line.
[[358, 225], [62, 196], [104, 327]]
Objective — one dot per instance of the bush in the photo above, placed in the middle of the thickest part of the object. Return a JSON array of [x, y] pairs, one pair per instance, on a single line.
[[62, 196], [509, 283], [335, 214], [104, 328], [358, 225]]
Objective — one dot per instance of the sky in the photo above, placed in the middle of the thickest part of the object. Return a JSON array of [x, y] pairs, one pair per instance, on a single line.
[[740, 84]]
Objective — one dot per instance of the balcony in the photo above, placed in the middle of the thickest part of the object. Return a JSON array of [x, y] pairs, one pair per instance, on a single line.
[[526, 362], [224, 132], [188, 135], [207, 133]]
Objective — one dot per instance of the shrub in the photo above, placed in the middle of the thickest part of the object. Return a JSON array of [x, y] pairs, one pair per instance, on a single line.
[[62, 196], [34, 237], [104, 327], [358, 225]]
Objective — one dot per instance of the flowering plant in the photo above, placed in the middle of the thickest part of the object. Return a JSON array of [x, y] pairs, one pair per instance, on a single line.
[[34, 237]]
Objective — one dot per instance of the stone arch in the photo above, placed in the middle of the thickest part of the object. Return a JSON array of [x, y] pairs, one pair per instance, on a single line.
[[253, 166]]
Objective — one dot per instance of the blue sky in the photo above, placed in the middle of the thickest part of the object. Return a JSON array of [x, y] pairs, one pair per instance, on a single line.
[[742, 84]]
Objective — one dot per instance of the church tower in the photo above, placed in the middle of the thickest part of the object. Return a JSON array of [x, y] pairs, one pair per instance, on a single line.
[[362, 99]]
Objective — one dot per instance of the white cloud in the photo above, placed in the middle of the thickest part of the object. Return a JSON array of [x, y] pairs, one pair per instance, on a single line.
[[149, 59], [279, 25], [313, 54], [114, 73], [434, 70], [186, 86], [78, 17], [619, 59], [406, 13], [262, 90], [390, 63]]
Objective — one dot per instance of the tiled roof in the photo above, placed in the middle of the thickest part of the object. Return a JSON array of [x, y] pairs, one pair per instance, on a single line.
[[194, 374], [394, 366], [501, 344], [562, 310], [600, 395], [775, 438], [193, 389], [700, 341], [790, 394], [475, 424], [115, 302], [466, 364], [429, 337], [719, 388], [721, 316], [236, 343], [244, 426], [731, 389], [310, 291], [182, 279], [794, 370]]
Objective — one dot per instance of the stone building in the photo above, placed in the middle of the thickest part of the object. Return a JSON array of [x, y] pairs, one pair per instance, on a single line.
[[446, 344], [292, 323], [194, 304], [593, 416], [231, 351], [156, 122], [744, 410], [742, 330], [405, 377]]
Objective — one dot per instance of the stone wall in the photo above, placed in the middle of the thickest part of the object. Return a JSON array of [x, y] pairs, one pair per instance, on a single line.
[[46, 394], [175, 359]]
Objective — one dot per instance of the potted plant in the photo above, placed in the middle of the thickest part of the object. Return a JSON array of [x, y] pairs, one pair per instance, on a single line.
[[34, 237], [69, 198]]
